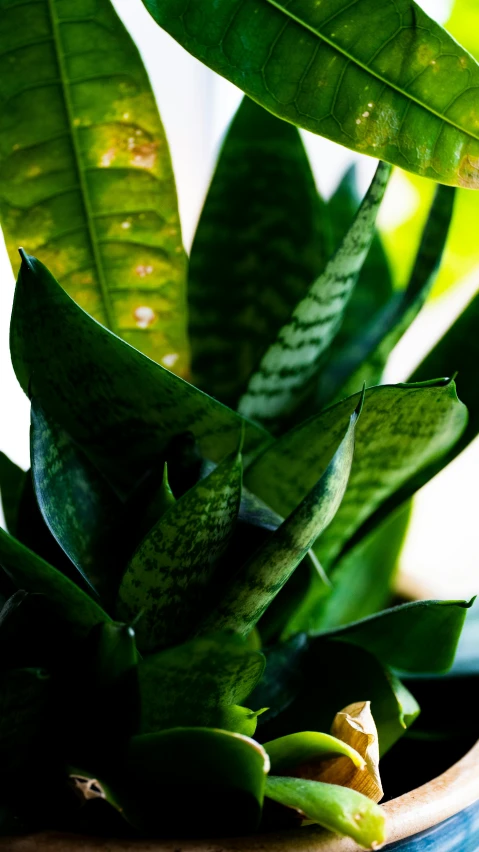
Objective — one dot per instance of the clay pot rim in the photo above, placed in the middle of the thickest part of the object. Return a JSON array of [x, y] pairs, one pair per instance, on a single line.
[[421, 809]]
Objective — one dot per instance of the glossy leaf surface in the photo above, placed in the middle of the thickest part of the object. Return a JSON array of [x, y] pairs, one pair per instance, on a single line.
[[400, 89], [76, 502], [168, 576], [117, 404], [12, 483], [196, 683], [261, 578], [261, 240], [28, 571], [336, 808], [291, 751], [85, 173], [402, 430], [293, 359]]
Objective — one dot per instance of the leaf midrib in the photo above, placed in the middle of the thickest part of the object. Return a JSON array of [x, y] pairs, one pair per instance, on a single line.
[[366, 68], [93, 237]]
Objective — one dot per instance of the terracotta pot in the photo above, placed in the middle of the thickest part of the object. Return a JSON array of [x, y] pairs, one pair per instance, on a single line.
[[441, 816]]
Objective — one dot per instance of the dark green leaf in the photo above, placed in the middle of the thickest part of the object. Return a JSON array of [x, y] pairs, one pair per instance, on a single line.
[[168, 576], [285, 372], [262, 239], [207, 781], [198, 683], [118, 405], [402, 430], [77, 504], [337, 808], [28, 571], [12, 482], [402, 90], [295, 749], [24, 694], [283, 676], [265, 573], [85, 172], [416, 637]]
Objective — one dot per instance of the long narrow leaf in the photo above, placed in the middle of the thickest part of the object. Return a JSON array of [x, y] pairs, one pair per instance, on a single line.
[[12, 483]]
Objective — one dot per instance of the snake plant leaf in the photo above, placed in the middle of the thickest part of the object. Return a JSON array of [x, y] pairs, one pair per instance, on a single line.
[[197, 683], [112, 400], [366, 355], [265, 573], [214, 777], [336, 808], [402, 430], [287, 753], [415, 637], [12, 483], [289, 364], [24, 695], [261, 240], [28, 571], [79, 507], [168, 576], [403, 91], [85, 172]]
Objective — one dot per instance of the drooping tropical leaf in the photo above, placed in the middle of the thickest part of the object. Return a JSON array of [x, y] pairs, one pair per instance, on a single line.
[[295, 749], [78, 506], [402, 430], [404, 93], [285, 371], [28, 571], [197, 683], [214, 778], [416, 637], [168, 576], [111, 399], [12, 483], [85, 172], [24, 694], [266, 572], [335, 808], [364, 357], [261, 240]]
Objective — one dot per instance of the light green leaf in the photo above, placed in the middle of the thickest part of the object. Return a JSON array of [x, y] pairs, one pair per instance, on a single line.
[[402, 430], [118, 405], [338, 809], [415, 637], [85, 174], [295, 749], [12, 483], [199, 683], [78, 506], [28, 571], [261, 578], [262, 238], [400, 89], [293, 359], [168, 577]]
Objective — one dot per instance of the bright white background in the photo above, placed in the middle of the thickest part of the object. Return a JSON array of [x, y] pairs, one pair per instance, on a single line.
[[196, 107]]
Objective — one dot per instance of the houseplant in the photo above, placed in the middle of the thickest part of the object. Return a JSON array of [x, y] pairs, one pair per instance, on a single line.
[[98, 509]]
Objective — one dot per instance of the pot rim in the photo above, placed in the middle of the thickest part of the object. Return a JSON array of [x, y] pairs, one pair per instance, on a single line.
[[414, 812]]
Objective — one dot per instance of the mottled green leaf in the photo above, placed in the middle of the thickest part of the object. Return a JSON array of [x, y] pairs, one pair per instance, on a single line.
[[168, 577], [402, 430], [416, 637], [286, 369], [261, 578], [262, 238], [295, 749], [117, 404], [198, 683], [77, 504], [24, 694], [364, 357], [339, 809], [12, 483], [85, 172], [398, 88], [207, 781], [28, 571]]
